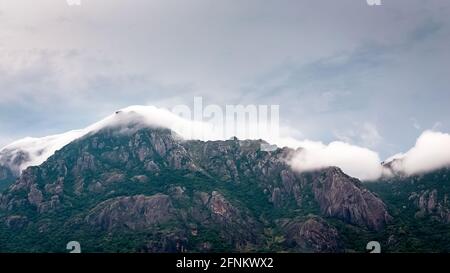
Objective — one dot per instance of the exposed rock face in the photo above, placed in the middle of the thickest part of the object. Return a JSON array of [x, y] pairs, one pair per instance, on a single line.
[[313, 235], [29, 183], [136, 212], [343, 197], [35, 196], [429, 203], [220, 206], [237, 225]]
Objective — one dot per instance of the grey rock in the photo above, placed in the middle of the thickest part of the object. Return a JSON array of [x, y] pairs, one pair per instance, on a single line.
[[341, 196], [134, 212], [313, 235], [35, 196]]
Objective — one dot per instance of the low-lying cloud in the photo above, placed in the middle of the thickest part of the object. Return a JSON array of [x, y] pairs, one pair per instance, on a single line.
[[356, 161], [31, 151], [431, 152]]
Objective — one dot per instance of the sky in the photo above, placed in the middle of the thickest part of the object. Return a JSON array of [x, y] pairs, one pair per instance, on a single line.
[[372, 76]]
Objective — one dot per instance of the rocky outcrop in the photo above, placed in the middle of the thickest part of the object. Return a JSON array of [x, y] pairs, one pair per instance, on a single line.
[[137, 212], [236, 224], [313, 235], [429, 204], [221, 207], [42, 198], [341, 196], [35, 196]]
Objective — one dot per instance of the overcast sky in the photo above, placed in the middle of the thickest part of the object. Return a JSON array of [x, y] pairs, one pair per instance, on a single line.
[[374, 76]]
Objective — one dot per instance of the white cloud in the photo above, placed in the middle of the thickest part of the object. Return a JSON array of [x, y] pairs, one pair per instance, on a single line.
[[431, 152], [38, 149], [355, 161]]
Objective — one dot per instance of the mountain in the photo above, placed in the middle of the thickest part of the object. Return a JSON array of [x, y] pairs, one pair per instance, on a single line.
[[138, 188], [29, 151], [128, 184]]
